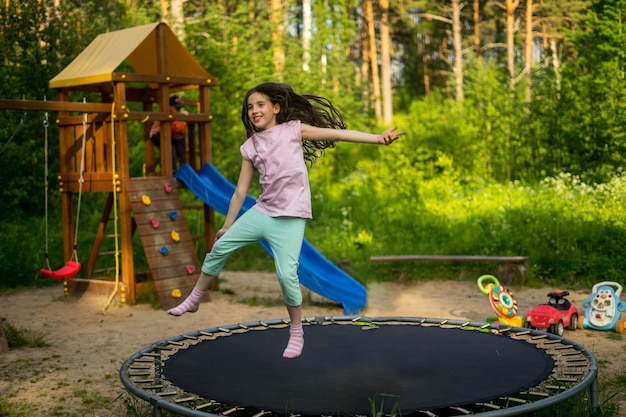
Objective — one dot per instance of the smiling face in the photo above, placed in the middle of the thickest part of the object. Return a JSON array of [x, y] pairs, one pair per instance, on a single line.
[[261, 111]]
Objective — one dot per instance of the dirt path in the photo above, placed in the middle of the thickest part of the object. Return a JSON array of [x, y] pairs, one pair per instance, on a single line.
[[77, 375]]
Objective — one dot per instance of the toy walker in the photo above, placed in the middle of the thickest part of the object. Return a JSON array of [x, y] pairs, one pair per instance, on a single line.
[[501, 300], [603, 308]]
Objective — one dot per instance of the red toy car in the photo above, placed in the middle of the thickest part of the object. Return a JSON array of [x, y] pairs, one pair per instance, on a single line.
[[555, 316]]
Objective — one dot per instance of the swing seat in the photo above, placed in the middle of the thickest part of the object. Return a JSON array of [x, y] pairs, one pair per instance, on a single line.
[[69, 270]]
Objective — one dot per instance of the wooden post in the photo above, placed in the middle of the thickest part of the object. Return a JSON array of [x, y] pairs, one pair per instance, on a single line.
[[4, 343], [123, 171]]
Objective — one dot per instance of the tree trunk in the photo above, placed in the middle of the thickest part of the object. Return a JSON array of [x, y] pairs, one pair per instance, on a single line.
[[510, 40], [277, 37], [458, 49], [385, 54], [375, 93], [529, 49], [178, 19], [477, 49], [306, 35]]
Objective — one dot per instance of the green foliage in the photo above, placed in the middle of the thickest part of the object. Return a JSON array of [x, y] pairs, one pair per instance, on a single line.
[[571, 230]]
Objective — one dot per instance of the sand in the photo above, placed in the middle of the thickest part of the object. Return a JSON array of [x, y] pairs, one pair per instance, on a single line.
[[78, 373]]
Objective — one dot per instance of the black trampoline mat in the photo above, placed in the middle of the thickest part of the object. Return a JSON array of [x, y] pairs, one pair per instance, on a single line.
[[344, 368]]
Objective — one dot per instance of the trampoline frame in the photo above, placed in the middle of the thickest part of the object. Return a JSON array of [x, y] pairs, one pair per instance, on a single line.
[[141, 374]]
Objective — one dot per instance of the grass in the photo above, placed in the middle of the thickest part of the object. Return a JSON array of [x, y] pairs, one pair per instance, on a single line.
[[18, 338]]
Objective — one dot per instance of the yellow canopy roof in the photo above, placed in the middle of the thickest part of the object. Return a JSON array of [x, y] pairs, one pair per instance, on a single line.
[[139, 47]]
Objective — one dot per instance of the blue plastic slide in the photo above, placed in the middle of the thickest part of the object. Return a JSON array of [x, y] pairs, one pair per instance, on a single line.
[[315, 271]]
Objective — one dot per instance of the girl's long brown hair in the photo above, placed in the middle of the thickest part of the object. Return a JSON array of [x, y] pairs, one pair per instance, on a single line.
[[309, 109]]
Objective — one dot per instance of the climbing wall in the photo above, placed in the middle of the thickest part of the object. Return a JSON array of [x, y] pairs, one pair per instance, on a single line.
[[165, 236]]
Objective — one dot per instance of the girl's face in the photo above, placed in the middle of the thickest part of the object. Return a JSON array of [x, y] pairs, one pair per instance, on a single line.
[[261, 112]]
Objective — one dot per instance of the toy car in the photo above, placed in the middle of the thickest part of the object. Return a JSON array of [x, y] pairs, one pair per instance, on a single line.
[[555, 316], [603, 308]]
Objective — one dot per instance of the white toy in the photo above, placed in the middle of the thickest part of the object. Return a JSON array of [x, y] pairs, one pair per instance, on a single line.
[[603, 309]]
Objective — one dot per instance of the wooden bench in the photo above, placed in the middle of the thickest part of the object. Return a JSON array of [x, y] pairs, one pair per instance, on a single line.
[[510, 269]]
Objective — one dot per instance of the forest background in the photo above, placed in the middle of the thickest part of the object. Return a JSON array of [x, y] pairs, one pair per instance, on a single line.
[[514, 112]]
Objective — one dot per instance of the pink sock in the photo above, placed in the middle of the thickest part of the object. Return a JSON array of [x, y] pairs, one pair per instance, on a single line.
[[190, 305], [296, 341]]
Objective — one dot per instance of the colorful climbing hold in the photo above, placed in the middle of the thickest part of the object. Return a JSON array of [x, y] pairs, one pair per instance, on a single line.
[[173, 214], [164, 251], [175, 236], [154, 222], [145, 199]]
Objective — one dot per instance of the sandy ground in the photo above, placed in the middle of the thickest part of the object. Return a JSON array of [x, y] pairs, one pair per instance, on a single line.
[[77, 375]]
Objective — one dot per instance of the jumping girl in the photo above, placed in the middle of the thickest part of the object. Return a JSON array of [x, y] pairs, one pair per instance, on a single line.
[[285, 132]]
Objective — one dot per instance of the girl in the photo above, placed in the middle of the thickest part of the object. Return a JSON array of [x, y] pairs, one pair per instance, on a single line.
[[285, 131]]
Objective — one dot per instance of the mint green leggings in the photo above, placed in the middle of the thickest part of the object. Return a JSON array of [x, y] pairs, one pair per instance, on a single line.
[[284, 235]]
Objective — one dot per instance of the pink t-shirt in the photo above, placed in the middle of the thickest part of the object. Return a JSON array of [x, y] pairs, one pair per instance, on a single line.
[[277, 154]]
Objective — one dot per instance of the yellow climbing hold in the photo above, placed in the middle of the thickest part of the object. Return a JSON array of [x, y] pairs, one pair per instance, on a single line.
[[145, 199], [175, 236], [176, 293]]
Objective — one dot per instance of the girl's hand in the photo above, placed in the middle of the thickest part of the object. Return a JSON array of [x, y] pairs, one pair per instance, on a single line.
[[220, 233], [388, 136]]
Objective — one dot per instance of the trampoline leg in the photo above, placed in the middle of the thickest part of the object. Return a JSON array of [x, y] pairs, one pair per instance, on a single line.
[[157, 411], [593, 395]]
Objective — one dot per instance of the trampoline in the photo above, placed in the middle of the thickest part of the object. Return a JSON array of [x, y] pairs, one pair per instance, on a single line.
[[361, 366]]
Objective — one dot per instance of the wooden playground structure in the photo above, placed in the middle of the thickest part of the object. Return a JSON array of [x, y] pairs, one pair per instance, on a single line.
[[94, 156]]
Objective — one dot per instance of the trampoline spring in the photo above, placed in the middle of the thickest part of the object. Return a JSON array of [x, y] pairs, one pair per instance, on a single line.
[[203, 333], [149, 358], [188, 336], [185, 400], [261, 413], [135, 366], [160, 348], [242, 326], [443, 322], [555, 342], [158, 386], [205, 405], [522, 333], [139, 374], [540, 336], [539, 394], [573, 373], [231, 410], [222, 329], [176, 343], [262, 323], [575, 353], [489, 405], [581, 359], [515, 400], [428, 413], [359, 318], [143, 381], [485, 326], [461, 410], [556, 387], [567, 379], [166, 393]]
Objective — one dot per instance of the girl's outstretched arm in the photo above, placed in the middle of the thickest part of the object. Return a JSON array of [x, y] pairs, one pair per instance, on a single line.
[[320, 133], [239, 196]]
